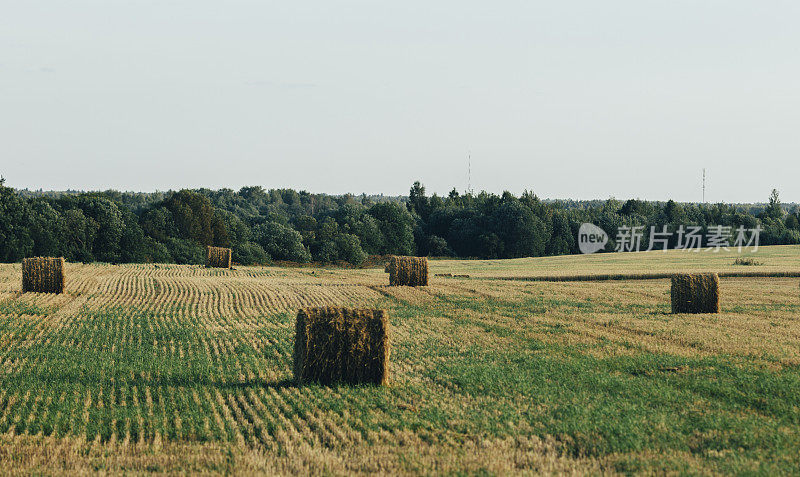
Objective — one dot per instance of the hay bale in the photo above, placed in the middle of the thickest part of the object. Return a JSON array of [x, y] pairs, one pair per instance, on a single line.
[[341, 345], [695, 293], [218, 257], [43, 275], [408, 271]]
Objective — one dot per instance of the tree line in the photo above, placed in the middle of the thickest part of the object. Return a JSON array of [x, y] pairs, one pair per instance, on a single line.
[[263, 226]]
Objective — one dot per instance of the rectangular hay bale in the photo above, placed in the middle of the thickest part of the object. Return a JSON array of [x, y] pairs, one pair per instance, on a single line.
[[341, 345], [695, 293], [408, 271], [219, 257], [43, 275]]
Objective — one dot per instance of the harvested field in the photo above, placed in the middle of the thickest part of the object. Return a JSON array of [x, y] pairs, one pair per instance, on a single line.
[[775, 259], [177, 369]]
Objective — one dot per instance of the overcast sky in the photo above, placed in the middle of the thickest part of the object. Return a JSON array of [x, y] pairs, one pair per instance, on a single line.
[[570, 99]]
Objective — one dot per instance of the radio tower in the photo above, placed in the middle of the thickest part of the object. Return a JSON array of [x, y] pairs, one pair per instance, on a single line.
[[469, 173], [704, 185]]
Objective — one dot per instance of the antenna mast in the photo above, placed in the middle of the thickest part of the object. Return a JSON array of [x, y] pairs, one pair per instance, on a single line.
[[704, 185], [469, 173]]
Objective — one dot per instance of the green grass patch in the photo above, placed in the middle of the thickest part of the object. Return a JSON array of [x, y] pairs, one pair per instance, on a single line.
[[16, 307]]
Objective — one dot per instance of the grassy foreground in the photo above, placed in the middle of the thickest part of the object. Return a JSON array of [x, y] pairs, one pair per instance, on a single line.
[[143, 368]]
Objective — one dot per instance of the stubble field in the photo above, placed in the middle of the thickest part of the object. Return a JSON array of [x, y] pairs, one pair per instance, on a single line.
[[173, 368]]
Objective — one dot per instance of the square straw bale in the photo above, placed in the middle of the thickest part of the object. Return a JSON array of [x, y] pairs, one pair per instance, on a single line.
[[43, 275], [219, 257], [695, 293], [408, 271], [341, 345]]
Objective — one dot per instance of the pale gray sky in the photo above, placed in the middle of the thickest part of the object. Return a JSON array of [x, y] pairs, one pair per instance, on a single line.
[[581, 99]]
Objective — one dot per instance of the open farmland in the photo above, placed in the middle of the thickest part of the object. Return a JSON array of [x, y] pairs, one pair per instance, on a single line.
[[773, 259], [182, 368]]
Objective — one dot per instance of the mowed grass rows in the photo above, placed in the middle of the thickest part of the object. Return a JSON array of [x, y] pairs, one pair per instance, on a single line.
[[179, 368]]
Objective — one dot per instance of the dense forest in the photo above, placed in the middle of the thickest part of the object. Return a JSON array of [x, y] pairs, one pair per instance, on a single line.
[[263, 226]]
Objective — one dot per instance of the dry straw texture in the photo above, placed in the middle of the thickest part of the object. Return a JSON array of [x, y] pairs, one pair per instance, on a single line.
[[219, 257], [43, 275], [341, 345], [695, 293], [409, 271], [388, 267]]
